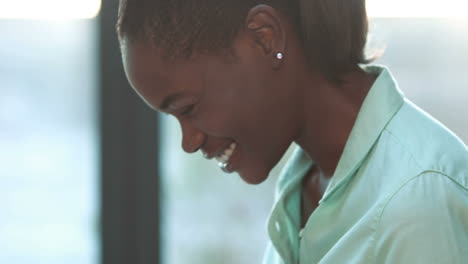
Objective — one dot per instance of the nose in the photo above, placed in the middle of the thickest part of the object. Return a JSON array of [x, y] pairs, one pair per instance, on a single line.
[[192, 138]]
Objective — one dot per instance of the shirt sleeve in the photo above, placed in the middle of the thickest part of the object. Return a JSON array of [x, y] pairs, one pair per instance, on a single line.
[[426, 221]]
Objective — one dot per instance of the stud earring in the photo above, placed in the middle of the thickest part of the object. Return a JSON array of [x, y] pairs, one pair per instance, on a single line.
[[279, 56]]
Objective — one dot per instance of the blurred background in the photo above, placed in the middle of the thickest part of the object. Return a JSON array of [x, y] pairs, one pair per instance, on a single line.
[[89, 175]]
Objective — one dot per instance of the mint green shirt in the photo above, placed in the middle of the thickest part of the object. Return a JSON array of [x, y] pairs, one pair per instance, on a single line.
[[399, 193]]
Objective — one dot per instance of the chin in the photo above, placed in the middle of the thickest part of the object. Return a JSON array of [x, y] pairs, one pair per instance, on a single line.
[[254, 177]]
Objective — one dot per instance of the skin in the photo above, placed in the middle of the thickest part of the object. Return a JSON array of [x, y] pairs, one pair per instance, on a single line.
[[262, 103]]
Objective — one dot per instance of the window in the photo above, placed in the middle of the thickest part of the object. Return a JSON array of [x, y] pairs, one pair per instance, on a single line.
[[48, 138]]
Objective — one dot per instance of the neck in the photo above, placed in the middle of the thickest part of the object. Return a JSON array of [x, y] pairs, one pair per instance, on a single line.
[[329, 113]]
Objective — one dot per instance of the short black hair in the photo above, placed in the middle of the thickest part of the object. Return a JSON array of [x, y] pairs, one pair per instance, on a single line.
[[333, 32]]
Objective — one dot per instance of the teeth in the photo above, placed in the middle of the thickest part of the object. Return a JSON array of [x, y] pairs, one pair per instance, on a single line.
[[222, 165], [228, 152], [223, 158]]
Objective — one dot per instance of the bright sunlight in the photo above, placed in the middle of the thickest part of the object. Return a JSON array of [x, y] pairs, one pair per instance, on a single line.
[[417, 8], [49, 9]]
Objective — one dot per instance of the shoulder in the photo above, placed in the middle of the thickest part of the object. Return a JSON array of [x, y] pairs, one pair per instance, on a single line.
[[424, 221], [430, 144], [427, 194]]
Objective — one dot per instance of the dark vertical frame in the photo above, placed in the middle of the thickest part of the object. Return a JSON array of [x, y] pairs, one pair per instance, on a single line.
[[129, 159]]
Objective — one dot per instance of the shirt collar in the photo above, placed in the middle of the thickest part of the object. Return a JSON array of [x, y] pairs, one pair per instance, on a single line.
[[382, 102]]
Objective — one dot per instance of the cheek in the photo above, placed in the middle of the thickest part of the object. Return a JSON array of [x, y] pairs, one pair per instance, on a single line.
[[240, 116], [222, 109], [241, 103]]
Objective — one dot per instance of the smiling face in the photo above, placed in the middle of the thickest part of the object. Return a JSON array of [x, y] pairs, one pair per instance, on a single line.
[[218, 102]]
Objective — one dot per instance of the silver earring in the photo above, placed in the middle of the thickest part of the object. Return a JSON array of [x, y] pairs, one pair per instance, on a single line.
[[279, 56]]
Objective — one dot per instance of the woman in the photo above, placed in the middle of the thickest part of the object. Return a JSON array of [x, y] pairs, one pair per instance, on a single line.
[[374, 178]]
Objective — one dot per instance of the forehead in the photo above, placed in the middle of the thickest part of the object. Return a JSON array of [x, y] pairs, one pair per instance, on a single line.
[[154, 78]]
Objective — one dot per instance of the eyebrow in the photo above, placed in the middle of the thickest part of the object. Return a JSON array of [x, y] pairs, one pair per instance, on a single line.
[[168, 100]]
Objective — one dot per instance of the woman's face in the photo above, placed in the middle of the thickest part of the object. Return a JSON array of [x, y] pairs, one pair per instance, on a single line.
[[219, 102]]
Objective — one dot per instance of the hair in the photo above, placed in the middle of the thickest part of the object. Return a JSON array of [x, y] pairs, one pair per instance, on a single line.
[[333, 32]]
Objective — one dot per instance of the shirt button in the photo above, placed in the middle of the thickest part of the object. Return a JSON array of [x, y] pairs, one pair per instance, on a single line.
[[301, 232], [278, 226]]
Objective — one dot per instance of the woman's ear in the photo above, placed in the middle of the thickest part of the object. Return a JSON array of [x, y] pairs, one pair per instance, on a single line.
[[265, 25]]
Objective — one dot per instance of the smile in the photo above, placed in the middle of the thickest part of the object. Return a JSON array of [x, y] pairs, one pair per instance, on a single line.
[[223, 158]]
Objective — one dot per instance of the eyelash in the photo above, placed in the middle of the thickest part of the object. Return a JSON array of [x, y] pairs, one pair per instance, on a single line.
[[187, 110]]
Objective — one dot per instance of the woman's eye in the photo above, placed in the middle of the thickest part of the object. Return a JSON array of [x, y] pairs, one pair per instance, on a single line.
[[186, 110]]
